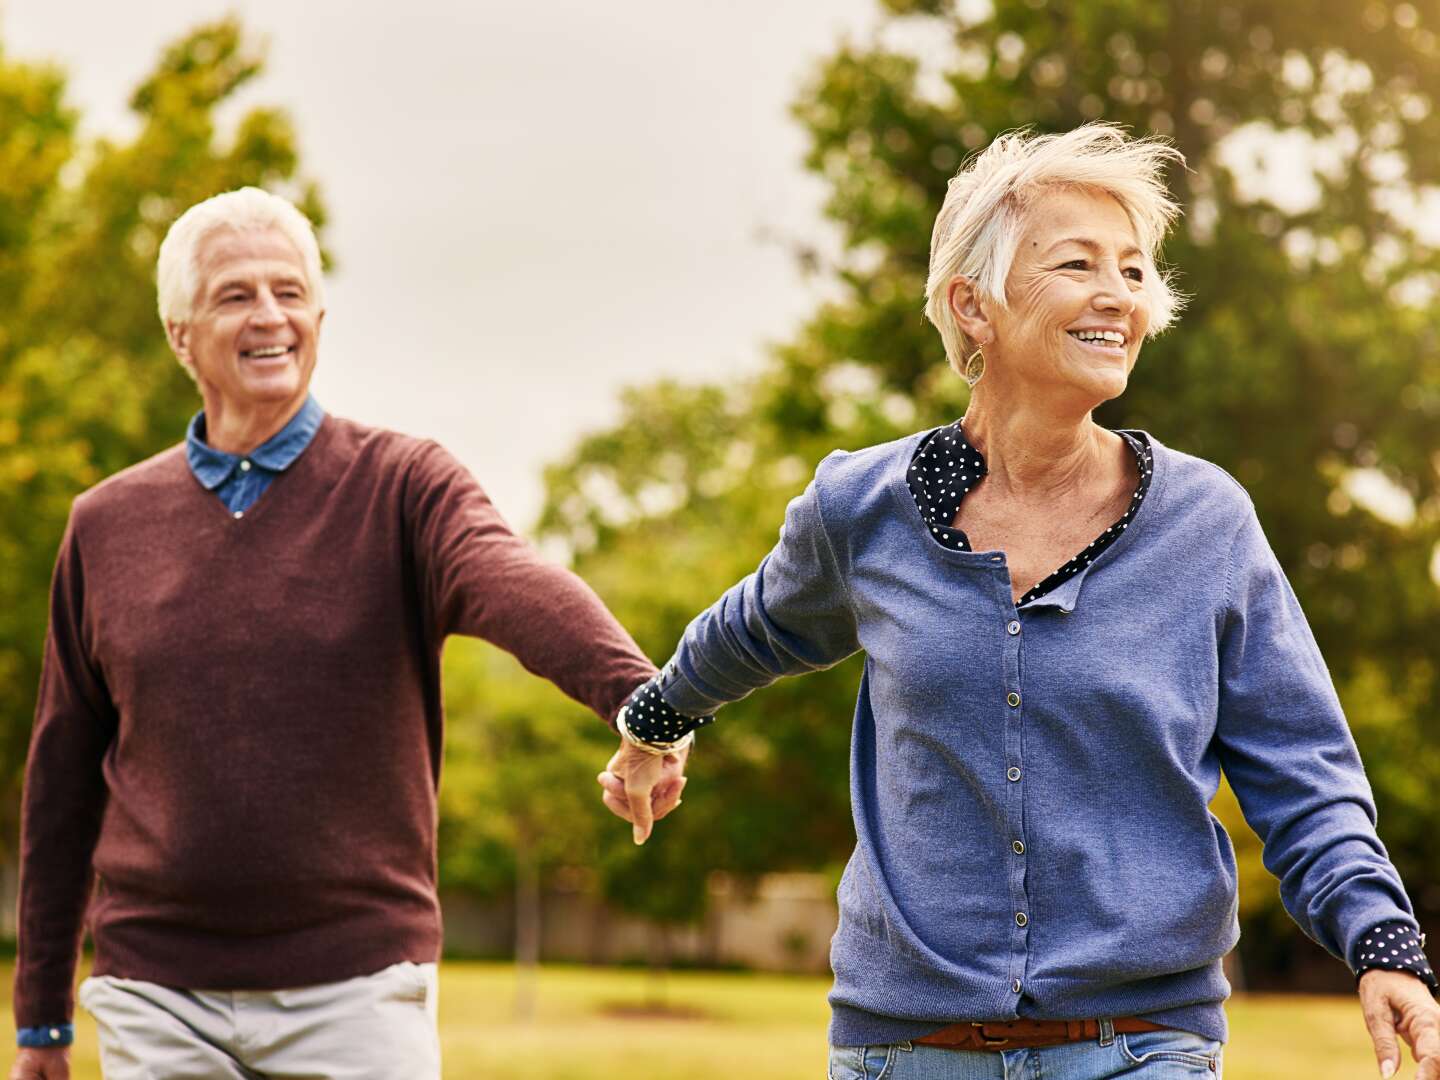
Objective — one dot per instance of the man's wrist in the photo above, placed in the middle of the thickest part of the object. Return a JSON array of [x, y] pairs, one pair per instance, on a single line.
[[45, 1036]]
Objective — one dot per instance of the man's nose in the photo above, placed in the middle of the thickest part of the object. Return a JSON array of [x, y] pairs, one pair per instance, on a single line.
[[267, 310]]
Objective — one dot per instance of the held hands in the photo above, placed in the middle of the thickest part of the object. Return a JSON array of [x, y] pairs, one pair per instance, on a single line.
[[51, 1063], [1395, 1002], [642, 788]]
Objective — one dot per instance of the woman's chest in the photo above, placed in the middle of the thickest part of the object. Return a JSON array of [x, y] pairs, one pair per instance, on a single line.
[[1038, 538]]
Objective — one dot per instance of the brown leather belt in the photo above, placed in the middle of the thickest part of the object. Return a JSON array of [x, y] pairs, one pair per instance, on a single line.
[[1018, 1034]]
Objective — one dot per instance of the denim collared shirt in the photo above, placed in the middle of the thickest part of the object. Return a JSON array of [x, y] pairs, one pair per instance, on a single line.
[[239, 480]]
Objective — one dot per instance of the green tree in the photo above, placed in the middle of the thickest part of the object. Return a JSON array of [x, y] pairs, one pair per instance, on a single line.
[[87, 384], [1306, 364]]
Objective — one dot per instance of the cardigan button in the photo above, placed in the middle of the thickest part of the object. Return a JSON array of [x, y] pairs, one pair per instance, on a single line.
[[1012, 699], [1021, 918], [1013, 628], [1018, 847], [1012, 774], [1014, 986]]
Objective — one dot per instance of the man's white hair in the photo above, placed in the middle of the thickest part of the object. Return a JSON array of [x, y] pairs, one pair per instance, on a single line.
[[979, 225], [248, 209]]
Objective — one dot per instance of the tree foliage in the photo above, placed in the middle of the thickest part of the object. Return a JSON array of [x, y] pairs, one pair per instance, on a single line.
[[1306, 364], [87, 383]]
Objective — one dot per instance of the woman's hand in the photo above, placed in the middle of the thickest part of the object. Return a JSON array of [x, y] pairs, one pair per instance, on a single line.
[[641, 787], [1395, 1002]]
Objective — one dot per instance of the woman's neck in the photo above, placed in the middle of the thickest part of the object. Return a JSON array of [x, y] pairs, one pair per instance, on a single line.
[[1035, 453]]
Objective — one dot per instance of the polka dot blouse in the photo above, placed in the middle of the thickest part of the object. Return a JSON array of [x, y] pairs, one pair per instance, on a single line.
[[944, 469], [1393, 946]]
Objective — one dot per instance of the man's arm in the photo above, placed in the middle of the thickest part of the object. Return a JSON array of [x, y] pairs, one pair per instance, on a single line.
[[63, 801], [479, 578]]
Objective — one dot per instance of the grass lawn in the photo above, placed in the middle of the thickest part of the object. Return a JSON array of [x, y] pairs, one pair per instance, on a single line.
[[593, 1023]]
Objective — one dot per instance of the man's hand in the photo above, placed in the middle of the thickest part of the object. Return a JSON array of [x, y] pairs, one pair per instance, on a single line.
[[642, 788], [51, 1063], [1395, 1002]]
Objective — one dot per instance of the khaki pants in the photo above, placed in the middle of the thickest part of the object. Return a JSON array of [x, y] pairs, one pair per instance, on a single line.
[[375, 1027]]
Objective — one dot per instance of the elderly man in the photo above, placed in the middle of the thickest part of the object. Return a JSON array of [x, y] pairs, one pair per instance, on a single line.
[[237, 743]]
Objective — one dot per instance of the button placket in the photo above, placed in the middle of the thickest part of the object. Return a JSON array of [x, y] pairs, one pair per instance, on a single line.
[[1013, 638]]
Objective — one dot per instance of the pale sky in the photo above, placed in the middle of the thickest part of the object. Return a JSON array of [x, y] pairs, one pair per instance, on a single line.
[[532, 205]]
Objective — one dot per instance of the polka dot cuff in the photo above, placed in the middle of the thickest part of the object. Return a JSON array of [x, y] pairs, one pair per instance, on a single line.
[[944, 469], [1393, 946], [650, 720]]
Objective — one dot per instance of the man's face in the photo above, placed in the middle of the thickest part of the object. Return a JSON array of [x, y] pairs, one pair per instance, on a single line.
[[254, 327]]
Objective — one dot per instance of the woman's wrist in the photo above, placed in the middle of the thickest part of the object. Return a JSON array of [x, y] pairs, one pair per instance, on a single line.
[[651, 746], [648, 721]]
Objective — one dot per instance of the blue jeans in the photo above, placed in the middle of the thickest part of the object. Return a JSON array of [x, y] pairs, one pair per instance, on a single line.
[[1151, 1055]]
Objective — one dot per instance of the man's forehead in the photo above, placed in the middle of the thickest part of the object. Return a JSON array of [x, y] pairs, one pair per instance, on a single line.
[[234, 253]]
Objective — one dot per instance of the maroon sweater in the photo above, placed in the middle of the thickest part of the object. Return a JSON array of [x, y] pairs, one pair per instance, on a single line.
[[239, 729]]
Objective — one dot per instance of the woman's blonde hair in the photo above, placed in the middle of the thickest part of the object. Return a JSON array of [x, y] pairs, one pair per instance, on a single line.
[[980, 223]]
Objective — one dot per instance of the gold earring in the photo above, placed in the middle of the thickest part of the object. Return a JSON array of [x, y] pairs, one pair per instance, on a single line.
[[974, 367]]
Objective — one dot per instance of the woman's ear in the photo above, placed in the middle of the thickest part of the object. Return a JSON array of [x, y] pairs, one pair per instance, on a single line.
[[968, 307]]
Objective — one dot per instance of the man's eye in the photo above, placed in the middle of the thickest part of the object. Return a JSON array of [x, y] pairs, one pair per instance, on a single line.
[[1076, 264], [1134, 273]]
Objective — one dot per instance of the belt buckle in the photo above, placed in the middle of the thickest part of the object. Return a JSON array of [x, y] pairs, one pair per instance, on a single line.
[[986, 1037]]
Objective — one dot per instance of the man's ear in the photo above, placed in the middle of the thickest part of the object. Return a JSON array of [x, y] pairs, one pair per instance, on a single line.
[[969, 309], [178, 335]]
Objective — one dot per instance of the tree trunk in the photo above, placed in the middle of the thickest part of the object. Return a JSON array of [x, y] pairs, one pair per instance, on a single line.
[[527, 925]]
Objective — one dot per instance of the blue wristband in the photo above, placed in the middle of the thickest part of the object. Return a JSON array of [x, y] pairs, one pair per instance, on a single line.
[[41, 1038]]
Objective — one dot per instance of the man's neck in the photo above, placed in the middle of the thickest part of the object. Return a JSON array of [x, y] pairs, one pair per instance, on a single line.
[[240, 431]]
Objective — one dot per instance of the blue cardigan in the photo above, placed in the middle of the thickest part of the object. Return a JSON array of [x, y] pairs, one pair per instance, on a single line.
[[1033, 836]]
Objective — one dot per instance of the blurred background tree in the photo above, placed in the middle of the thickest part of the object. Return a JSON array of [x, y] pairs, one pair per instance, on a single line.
[[1306, 366], [87, 383]]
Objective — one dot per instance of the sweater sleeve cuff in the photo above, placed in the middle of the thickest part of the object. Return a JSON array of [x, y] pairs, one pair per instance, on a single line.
[[1394, 945], [45, 1036], [649, 719]]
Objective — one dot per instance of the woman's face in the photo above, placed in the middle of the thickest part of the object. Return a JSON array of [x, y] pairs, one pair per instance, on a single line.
[[1076, 303]]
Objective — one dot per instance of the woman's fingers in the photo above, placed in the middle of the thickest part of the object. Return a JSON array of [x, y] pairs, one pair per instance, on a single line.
[[1380, 1022]]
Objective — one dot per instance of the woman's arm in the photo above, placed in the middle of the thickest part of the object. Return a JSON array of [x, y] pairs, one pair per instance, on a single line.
[[792, 615], [1289, 755]]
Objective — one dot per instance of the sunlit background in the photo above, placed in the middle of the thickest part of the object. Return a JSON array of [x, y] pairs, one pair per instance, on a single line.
[[532, 205], [640, 266]]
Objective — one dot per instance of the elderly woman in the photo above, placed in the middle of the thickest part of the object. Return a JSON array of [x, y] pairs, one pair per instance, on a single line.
[[1069, 633]]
